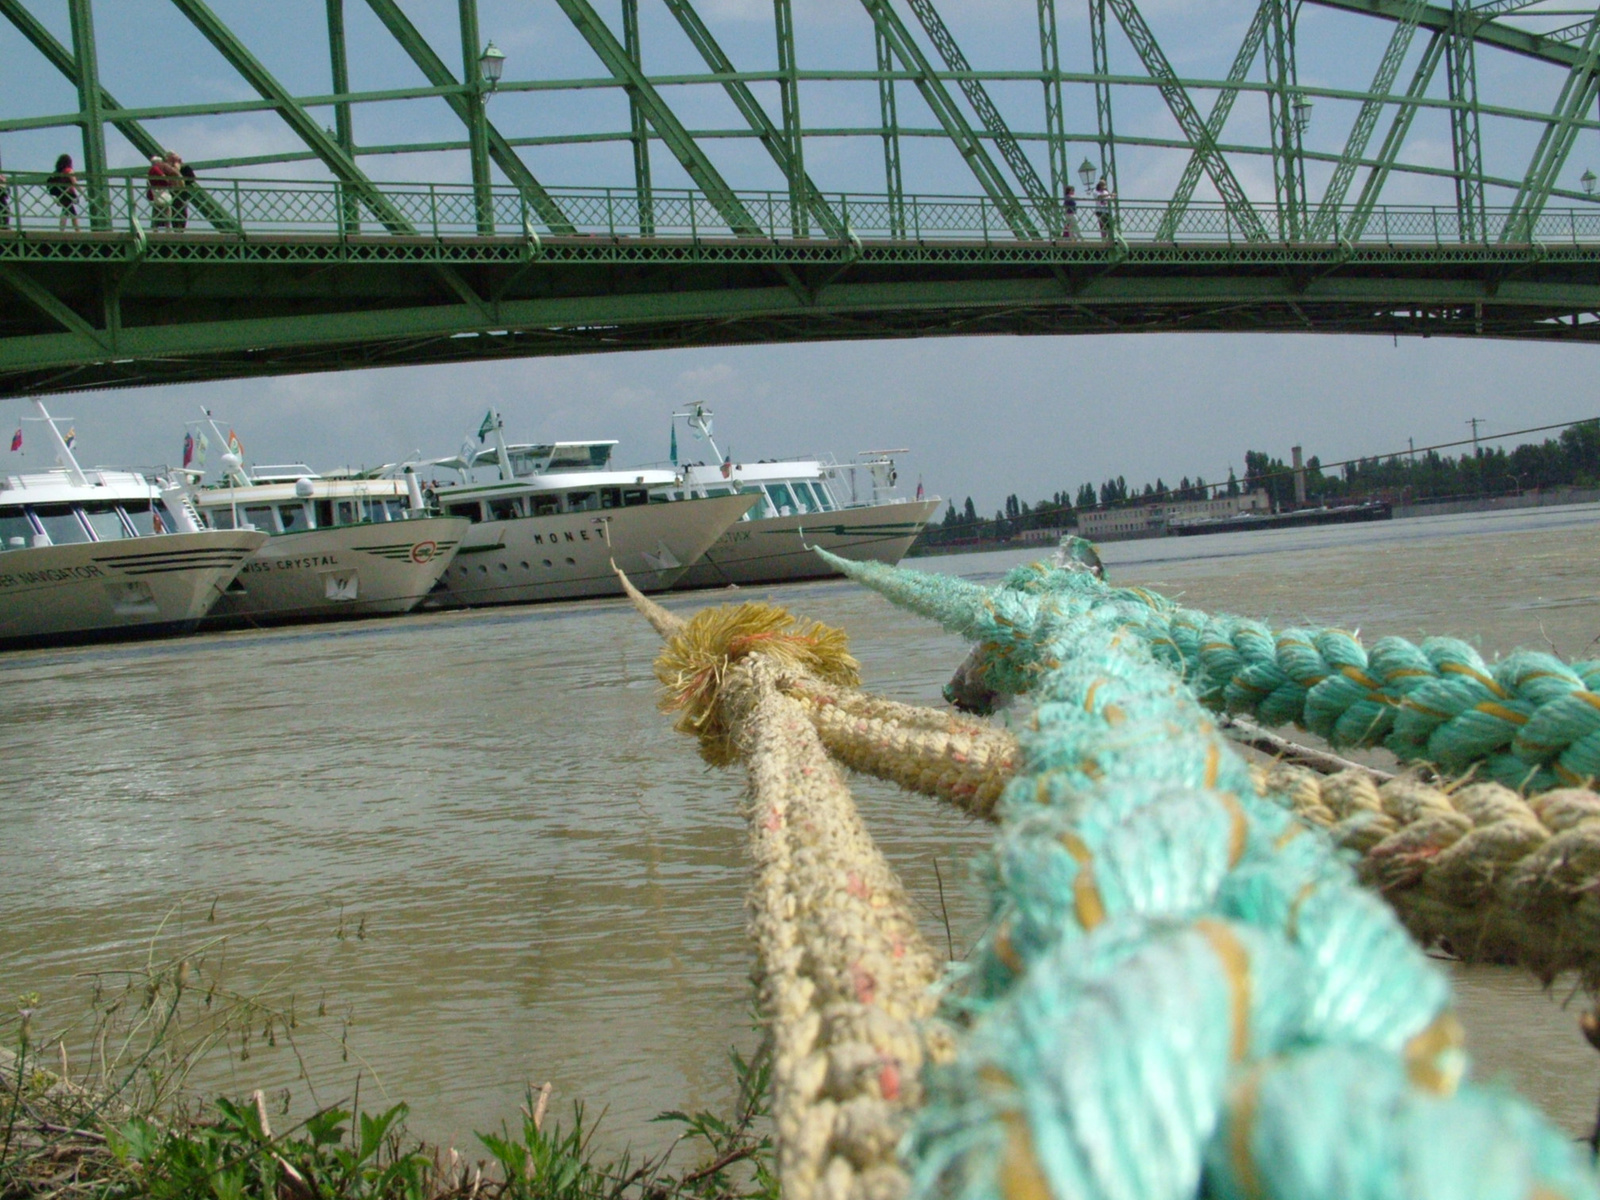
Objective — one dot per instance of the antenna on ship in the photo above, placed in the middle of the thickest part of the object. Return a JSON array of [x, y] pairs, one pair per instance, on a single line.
[[698, 418], [63, 447]]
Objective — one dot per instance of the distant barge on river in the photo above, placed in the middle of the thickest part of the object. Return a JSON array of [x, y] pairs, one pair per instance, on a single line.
[[1374, 510]]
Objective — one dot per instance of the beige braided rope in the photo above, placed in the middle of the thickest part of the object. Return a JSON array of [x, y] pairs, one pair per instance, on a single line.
[[966, 763], [846, 979], [1490, 873]]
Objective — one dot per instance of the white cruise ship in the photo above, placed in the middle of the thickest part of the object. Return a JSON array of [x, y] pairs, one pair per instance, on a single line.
[[101, 554], [553, 519], [849, 509]]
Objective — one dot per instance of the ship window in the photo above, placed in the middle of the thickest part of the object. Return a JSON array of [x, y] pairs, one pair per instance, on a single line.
[[293, 517], [764, 509], [139, 515], [610, 497], [719, 491], [219, 518], [61, 524], [633, 497], [261, 517], [802, 492], [466, 510], [505, 508], [824, 500], [346, 512], [781, 500], [546, 503], [106, 523], [16, 531], [582, 501]]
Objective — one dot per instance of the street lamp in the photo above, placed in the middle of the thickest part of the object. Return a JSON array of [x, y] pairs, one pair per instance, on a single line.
[[491, 63], [1086, 173], [1302, 113], [1587, 179]]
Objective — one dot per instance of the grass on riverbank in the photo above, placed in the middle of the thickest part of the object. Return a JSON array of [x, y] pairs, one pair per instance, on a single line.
[[127, 1124]]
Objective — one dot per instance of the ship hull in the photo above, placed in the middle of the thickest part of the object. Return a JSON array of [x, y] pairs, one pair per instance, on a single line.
[[569, 556], [777, 549], [103, 591], [346, 571]]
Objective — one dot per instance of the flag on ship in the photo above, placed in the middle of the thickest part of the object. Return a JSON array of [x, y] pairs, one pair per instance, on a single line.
[[919, 487], [727, 464], [188, 449], [201, 446], [234, 444], [72, 436], [16, 439], [485, 429], [674, 445]]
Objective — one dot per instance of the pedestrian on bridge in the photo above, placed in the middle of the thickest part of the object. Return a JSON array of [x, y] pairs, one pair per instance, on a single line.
[[1069, 207], [63, 186], [160, 184], [180, 198], [1103, 196]]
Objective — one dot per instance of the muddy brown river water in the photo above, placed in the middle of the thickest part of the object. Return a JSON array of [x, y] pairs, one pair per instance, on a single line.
[[471, 841]]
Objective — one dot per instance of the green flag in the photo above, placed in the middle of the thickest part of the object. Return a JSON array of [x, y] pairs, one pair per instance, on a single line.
[[674, 444], [487, 427]]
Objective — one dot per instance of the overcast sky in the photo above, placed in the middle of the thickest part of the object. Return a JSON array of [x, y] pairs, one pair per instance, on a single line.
[[981, 417]]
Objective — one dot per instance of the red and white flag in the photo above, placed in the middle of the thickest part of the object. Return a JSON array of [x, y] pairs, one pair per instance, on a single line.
[[16, 440]]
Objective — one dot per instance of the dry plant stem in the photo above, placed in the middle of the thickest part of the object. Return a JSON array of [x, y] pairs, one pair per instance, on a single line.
[[1247, 733]]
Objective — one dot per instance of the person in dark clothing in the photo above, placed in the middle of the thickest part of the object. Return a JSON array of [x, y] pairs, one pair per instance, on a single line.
[[180, 198], [1069, 208], [63, 186]]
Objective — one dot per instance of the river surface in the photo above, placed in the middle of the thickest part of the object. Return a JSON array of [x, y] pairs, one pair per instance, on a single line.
[[472, 845]]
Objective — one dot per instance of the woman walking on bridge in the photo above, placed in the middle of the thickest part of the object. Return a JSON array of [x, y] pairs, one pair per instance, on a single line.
[[63, 186]]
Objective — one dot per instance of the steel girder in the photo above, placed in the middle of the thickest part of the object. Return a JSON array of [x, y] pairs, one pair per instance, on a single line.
[[780, 144], [1183, 110], [470, 107], [894, 33], [295, 322]]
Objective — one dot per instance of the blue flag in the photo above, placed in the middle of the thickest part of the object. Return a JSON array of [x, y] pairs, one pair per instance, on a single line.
[[674, 445]]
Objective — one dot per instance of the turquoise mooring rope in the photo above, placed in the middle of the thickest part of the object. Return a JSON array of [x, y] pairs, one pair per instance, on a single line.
[[1183, 991], [1528, 721]]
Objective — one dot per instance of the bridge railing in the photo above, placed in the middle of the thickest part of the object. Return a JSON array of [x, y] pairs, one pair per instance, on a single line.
[[293, 209]]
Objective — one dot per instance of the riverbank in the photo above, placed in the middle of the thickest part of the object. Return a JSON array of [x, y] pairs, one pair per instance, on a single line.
[[1534, 498]]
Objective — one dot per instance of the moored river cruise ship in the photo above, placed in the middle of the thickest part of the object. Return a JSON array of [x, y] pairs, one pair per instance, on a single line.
[[556, 518], [100, 554], [849, 509]]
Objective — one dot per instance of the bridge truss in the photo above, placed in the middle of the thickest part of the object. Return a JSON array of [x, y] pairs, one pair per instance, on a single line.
[[1367, 166]]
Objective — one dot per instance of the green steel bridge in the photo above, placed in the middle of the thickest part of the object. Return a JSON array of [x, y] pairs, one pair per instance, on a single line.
[[1338, 169]]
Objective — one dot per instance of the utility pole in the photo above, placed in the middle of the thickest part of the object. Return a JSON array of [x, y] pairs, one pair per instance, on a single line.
[[1412, 442], [1475, 422]]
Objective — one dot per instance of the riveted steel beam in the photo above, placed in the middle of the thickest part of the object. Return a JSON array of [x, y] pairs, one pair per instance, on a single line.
[[87, 72], [1055, 118], [1466, 139], [321, 143], [638, 127], [1355, 224], [1183, 110], [776, 141], [1355, 147], [1441, 19], [678, 139], [950, 116], [1221, 108], [40, 297], [894, 183], [434, 69], [978, 96], [1578, 92]]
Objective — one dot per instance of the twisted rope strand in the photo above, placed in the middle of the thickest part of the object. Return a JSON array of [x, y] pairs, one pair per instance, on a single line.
[[1528, 721]]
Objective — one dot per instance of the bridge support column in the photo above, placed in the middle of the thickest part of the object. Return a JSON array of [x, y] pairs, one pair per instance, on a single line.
[[477, 124], [94, 131]]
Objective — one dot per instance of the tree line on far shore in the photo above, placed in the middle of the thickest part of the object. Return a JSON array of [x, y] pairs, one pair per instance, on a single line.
[[1570, 460]]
